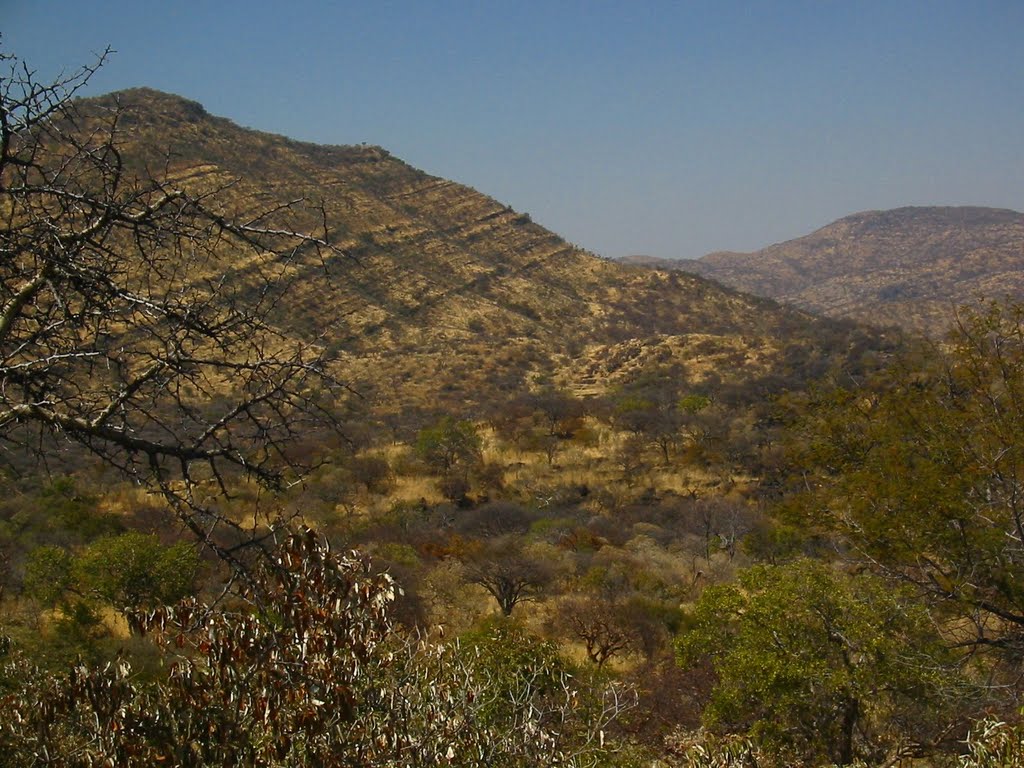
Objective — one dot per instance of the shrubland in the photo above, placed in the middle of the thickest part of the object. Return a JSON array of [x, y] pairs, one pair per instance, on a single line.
[[651, 549]]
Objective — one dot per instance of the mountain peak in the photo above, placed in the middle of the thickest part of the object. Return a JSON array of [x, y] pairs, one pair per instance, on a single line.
[[937, 216], [150, 100]]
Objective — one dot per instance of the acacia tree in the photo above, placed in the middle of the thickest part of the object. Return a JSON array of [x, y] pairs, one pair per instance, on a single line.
[[128, 571], [509, 572], [558, 408], [133, 309], [603, 626], [651, 408], [452, 448]]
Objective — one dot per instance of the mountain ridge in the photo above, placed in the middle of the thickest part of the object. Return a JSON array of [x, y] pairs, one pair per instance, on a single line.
[[442, 296], [908, 266]]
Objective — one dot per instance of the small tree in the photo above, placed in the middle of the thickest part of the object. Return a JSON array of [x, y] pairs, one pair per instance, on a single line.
[[128, 572], [819, 666], [48, 574], [450, 446], [650, 408], [603, 626], [559, 409], [452, 449], [508, 571], [135, 571]]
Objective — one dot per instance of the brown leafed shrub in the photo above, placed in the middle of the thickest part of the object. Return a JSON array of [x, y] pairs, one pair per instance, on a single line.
[[304, 669]]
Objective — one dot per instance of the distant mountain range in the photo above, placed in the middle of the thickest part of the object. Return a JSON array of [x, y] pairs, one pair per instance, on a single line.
[[909, 267]]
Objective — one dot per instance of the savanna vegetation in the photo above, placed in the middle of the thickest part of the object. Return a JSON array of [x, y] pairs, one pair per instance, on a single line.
[[216, 550]]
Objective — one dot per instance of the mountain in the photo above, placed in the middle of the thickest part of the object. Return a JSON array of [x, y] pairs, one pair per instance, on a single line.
[[445, 298], [908, 267]]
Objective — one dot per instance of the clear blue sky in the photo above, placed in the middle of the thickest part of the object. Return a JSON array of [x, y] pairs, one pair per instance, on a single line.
[[662, 128]]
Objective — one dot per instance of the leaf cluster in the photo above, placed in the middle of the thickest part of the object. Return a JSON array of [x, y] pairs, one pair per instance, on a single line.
[[920, 474], [305, 669], [819, 665]]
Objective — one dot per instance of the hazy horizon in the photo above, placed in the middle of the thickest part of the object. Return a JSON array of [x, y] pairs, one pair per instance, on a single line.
[[663, 129]]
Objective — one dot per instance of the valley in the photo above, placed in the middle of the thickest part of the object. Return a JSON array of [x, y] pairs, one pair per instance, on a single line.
[[494, 499]]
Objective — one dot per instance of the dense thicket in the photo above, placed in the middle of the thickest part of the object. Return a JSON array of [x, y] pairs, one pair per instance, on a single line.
[[303, 668]]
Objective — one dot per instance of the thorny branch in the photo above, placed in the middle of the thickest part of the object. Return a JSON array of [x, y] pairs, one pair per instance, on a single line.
[[134, 311]]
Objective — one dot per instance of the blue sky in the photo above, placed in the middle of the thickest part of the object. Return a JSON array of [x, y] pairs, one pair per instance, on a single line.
[[663, 128]]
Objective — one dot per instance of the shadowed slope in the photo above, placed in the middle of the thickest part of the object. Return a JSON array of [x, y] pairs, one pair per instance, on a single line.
[[445, 296]]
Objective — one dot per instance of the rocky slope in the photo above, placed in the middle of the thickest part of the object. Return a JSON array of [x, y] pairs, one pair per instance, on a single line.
[[908, 266], [444, 297]]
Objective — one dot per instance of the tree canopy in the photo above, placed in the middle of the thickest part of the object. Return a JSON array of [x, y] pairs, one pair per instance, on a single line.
[[920, 475], [820, 666]]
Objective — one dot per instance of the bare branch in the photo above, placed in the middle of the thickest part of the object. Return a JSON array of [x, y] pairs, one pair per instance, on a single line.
[[134, 311]]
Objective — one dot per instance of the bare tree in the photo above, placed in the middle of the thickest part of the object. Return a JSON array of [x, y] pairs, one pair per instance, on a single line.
[[133, 310], [603, 626], [559, 409]]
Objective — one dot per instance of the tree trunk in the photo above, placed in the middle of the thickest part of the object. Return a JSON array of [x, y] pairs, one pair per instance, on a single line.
[[851, 713]]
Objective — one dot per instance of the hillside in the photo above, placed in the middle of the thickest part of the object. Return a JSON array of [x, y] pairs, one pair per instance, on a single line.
[[907, 267], [606, 496], [446, 297]]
